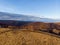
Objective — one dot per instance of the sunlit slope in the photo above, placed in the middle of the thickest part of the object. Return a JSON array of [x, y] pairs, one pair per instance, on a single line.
[[25, 37]]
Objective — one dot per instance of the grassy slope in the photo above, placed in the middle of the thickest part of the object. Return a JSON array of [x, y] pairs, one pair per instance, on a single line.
[[21, 37]]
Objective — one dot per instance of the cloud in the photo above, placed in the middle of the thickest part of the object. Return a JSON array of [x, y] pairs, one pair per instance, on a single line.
[[12, 7], [5, 16], [5, 8]]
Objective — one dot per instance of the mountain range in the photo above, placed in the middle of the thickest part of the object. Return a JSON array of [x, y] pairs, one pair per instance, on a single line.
[[20, 17]]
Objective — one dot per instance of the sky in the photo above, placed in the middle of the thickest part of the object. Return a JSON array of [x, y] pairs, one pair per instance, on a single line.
[[38, 8]]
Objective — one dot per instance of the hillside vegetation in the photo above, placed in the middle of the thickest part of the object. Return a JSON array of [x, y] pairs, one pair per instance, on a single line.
[[26, 37], [40, 26]]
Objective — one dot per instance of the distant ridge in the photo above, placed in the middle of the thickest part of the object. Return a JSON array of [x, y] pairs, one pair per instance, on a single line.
[[20, 17], [14, 22]]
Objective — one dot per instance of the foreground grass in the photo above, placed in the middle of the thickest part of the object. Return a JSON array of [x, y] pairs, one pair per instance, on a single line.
[[25, 37]]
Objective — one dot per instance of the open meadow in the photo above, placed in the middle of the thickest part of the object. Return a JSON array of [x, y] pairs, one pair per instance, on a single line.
[[26, 37]]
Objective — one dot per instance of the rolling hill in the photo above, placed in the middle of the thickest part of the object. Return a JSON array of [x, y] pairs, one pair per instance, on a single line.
[[31, 30], [25, 37]]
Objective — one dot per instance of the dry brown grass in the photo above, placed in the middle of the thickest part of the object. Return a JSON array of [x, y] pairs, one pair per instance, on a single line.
[[4, 29], [25, 37]]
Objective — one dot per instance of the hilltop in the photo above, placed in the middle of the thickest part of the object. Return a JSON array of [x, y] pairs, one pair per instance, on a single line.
[[25, 37]]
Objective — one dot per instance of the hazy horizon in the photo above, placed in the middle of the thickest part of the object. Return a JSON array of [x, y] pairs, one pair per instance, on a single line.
[[39, 8]]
